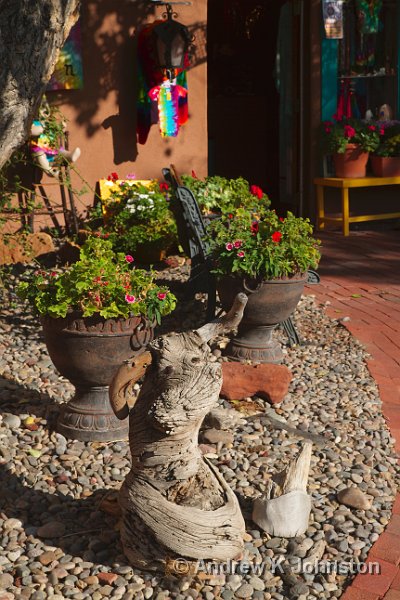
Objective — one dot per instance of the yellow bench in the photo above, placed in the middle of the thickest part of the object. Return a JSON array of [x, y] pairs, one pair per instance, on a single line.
[[344, 184]]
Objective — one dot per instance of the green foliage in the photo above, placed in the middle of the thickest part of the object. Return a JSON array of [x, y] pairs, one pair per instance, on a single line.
[[390, 147], [219, 194], [137, 213], [101, 282], [263, 246], [338, 134]]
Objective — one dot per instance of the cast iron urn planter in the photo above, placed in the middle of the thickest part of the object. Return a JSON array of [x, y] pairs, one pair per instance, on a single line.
[[270, 302], [88, 351]]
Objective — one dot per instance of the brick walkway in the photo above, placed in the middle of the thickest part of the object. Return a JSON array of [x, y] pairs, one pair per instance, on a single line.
[[360, 280]]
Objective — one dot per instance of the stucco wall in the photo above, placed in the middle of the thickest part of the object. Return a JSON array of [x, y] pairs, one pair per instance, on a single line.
[[102, 116]]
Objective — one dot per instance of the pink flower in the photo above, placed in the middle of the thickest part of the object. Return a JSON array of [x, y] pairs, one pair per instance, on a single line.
[[130, 176], [282, 220], [381, 131], [276, 237], [130, 299], [237, 243], [229, 246], [129, 258], [164, 187], [328, 129], [372, 127], [349, 131], [162, 295], [240, 254]]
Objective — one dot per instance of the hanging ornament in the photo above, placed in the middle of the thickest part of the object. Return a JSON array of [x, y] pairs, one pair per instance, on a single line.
[[332, 11]]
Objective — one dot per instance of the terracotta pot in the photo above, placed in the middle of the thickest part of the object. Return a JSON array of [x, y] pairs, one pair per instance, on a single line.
[[151, 252], [88, 351], [352, 163], [270, 303], [385, 166]]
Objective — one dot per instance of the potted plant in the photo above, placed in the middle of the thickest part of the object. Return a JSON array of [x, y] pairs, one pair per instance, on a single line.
[[268, 258], [217, 194], [385, 162], [350, 141], [138, 219], [95, 314]]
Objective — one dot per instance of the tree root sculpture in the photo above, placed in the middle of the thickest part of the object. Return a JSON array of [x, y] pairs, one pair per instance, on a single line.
[[174, 502]]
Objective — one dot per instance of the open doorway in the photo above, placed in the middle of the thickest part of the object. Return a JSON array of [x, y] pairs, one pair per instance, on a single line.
[[251, 104]]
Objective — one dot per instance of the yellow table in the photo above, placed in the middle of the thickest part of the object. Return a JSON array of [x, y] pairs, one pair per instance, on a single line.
[[344, 184]]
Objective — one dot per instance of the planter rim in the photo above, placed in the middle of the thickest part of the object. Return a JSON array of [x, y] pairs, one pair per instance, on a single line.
[[294, 279], [73, 324]]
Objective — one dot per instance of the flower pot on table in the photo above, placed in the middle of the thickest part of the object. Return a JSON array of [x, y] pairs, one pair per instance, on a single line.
[[269, 303], [352, 162], [385, 166], [88, 351]]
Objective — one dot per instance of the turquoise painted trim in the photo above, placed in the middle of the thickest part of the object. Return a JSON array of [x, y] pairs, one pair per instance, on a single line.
[[329, 74]]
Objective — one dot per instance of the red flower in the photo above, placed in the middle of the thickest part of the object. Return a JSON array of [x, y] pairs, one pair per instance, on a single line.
[[254, 227], [349, 131], [194, 175], [161, 295], [130, 299], [164, 187], [328, 129], [230, 216], [129, 258], [229, 246], [276, 237], [256, 191], [381, 131], [282, 220], [237, 243], [372, 127], [240, 254]]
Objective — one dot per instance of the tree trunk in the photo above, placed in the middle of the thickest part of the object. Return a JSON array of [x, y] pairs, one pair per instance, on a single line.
[[174, 502], [31, 35]]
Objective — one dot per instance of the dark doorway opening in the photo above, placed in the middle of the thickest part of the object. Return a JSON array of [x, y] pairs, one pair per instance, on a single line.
[[243, 100]]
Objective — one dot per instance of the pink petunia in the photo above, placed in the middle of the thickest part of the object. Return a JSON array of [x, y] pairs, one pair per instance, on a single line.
[[130, 299], [238, 243], [130, 176], [229, 246], [240, 254], [161, 295], [129, 258]]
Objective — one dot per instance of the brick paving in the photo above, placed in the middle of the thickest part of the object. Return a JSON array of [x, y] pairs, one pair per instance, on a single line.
[[360, 285]]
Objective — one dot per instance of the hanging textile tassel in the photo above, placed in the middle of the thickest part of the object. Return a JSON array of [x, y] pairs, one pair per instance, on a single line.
[[340, 106], [349, 113]]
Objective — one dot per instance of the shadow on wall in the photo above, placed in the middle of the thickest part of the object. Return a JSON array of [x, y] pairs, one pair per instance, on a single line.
[[109, 65]]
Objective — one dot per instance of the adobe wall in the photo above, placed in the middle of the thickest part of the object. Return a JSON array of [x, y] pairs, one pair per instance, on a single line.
[[102, 116]]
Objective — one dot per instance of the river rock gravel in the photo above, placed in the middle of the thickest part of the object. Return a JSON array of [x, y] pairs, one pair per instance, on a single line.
[[59, 515]]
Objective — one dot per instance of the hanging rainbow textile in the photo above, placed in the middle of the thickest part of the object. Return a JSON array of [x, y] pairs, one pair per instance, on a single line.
[[152, 104], [167, 96], [68, 73]]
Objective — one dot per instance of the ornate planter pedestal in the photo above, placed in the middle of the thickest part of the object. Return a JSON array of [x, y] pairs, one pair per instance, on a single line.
[[88, 351], [270, 303]]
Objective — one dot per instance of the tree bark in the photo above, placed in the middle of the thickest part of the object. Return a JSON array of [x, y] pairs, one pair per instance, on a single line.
[[31, 35], [174, 502]]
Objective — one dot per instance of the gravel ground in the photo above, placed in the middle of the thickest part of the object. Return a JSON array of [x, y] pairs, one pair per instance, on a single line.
[[59, 525]]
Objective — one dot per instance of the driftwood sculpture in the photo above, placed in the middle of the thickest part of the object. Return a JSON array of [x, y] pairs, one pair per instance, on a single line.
[[174, 502], [285, 510]]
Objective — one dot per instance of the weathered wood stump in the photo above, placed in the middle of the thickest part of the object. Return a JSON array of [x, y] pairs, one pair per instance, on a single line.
[[174, 502]]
